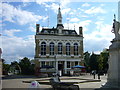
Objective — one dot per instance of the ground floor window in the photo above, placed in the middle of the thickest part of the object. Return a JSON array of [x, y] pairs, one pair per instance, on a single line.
[[68, 64], [76, 63], [51, 63], [42, 63], [72, 64], [47, 63]]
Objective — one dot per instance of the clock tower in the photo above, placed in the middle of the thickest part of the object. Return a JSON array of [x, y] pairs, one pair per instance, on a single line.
[[59, 21]]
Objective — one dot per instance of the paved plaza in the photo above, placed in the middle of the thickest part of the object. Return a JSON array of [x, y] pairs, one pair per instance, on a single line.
[[84, 82]]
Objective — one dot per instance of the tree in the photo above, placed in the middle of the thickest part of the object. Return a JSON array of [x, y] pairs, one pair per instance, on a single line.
[[26, 66], [87, 61], [100, 62], [93, 62], [105, 56], [96, 61], [5, 67], [16, 66]]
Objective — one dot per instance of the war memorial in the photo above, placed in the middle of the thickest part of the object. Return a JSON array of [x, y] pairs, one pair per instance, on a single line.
[[113, 80]]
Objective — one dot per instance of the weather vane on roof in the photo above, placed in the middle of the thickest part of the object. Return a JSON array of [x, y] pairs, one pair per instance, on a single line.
[[114, 17]]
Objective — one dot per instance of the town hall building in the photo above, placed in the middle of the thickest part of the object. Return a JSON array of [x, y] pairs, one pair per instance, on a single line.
[[59, 47]]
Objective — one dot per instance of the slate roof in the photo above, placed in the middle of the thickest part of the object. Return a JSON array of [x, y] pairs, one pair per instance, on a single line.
[[54, 31]]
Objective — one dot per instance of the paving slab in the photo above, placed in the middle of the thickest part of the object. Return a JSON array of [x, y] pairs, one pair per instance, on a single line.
[[18, 82]]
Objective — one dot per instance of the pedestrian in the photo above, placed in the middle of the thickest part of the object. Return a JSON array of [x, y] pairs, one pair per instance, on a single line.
[[94, 72], [98, 74]]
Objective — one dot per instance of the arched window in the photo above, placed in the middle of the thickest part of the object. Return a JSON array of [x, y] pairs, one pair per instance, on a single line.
[[51, 48], [46, 32], [68, 49], [43, 48], [75, 49], [59, 48], [52, 32]]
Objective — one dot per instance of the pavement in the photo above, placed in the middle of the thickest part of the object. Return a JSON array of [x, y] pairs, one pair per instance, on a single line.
[[84, 82]]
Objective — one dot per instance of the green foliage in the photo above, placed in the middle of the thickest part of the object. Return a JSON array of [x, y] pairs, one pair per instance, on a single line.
[[100, 62], [15, 66], [5, 67], [86, 61], [93, 62], [26, 67], [96, 61], [105, 55]]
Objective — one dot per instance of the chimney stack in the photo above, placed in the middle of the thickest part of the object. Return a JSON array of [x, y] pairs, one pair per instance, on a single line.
[[80, 31], [37, 28]]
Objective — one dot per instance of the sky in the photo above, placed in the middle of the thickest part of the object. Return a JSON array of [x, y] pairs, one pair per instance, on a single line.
[[18, 22]]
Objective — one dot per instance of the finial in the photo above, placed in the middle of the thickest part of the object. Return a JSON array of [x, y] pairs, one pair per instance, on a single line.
[[114, 17], [59, 8], [74, 27]]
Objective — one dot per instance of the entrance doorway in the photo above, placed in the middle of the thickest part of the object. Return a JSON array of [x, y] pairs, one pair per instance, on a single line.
[[61, 66]]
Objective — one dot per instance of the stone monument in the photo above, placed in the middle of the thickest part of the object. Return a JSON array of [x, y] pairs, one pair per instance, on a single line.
[[113, 80]]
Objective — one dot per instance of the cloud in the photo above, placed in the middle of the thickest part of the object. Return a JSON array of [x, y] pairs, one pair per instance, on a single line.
[[55, 5], [75, 25], [16, 15], [85, 5], [10, 32], [52, 6], [43, 1], [15, 48], [64, 3], [98, 39], [95, 10], [74, 20], [32, 27], [65, 10]]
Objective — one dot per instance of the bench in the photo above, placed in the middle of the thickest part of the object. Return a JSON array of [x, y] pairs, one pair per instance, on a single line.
[[58, 85]]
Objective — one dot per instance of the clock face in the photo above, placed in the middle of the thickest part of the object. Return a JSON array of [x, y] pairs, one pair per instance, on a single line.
[[60, 20]]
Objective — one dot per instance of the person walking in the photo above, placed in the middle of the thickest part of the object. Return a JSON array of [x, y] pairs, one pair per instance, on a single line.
[[98, 74], [94, 72]]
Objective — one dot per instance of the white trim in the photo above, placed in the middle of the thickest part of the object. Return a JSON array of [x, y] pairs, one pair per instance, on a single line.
[[59, 37], [58, 59]]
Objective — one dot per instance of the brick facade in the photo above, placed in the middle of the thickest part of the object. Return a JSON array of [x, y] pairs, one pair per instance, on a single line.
[[56, 35]]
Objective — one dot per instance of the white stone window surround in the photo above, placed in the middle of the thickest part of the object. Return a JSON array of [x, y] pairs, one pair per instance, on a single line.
[[68, 48], [63, 44], [51, 48], [43, 48], [76, 49], [57, 41], [60, 59], [60, 48]]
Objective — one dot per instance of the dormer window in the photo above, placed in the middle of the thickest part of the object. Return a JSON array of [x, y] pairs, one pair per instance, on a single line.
[[66, 32], [52, 32], [73, 33], [46, 32]]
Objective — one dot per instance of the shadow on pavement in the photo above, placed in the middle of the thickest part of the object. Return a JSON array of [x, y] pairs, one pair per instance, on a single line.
[[18, 76]]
